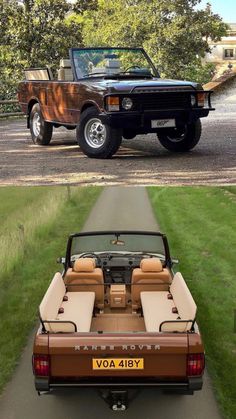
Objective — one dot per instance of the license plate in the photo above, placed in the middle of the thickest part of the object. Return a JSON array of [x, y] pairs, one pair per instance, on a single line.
[[163, 123], [118, 364]]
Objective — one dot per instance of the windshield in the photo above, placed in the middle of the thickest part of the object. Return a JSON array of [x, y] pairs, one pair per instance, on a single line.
[[120, 243], [111, 62]]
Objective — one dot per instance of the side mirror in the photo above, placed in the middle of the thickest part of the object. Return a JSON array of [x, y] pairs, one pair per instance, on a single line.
[[61, 260]]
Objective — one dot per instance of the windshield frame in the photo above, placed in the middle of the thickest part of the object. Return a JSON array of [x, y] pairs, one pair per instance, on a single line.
[[72, 50], [167, 262]]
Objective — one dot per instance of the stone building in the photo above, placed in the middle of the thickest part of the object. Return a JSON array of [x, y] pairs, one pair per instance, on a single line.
[[223, 52]]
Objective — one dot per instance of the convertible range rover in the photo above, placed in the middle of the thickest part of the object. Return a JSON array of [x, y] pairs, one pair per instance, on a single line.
[[107, 94], [118, 318]]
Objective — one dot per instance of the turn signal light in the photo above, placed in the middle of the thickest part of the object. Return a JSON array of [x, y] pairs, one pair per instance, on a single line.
[[113, 103], [201, 99], [195, 364], [41, 365]]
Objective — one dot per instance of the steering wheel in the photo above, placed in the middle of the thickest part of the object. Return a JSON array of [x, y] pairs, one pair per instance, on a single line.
[[93, 255], [132, 66]]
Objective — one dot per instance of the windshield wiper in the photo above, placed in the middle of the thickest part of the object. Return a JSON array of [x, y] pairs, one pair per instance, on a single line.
[[137, 73], [94, 74], [128, 74]]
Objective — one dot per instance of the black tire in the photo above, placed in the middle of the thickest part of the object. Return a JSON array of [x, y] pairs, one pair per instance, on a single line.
[[41, 131], [97, 145], [181, 140], [129, 134], [70, 128]]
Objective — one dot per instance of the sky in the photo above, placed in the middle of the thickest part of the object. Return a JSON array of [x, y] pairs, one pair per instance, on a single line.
[[225, 8]]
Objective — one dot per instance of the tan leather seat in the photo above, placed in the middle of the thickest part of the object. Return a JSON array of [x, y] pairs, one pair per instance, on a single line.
[[151, 276], [84, 276], [65, 71]]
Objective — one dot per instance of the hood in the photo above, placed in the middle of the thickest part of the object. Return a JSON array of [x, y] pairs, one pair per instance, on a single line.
[[128, 85]]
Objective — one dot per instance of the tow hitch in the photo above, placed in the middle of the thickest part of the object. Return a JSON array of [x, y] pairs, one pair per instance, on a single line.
[[116, 399]]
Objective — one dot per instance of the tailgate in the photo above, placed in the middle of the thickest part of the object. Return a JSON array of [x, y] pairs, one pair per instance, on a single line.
[[159, 355]]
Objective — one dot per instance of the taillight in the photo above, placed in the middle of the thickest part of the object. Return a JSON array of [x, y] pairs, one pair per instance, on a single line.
[[41, 365], [195, 364]]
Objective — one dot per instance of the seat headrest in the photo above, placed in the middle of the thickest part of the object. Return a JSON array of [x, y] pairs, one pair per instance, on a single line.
[[151, 265], [84, 265], [65, 63]]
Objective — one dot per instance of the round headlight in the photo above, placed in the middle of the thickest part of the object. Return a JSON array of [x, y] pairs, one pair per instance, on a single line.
[[127, 103]]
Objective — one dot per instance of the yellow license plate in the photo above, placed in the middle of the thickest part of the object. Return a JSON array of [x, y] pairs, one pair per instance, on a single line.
[[118, 364]]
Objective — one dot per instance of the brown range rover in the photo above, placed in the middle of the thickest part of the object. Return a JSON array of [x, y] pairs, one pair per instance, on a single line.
[[118, 318], [110, 93]]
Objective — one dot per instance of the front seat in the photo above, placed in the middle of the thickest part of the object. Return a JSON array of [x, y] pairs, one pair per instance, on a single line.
[[151, 276], [84, 276]]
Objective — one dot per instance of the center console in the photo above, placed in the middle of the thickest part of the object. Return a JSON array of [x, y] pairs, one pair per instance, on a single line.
[[117, 296]]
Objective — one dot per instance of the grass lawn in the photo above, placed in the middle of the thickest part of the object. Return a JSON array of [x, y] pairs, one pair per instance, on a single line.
[[200, 225], [35, 224]]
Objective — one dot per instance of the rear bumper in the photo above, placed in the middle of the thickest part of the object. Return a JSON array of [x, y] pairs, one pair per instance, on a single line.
[[192, 384], [141, 121]]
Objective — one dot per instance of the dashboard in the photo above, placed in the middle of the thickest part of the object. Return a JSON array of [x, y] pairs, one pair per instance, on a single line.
[[117, 268]]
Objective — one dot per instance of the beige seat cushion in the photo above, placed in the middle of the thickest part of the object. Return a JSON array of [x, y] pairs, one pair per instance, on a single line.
[[182, 297], [78, 309], [51, 301], [156, 309]]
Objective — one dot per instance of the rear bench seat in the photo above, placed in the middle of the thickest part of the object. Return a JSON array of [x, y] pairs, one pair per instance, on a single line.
[[78, 309], [157, 308]]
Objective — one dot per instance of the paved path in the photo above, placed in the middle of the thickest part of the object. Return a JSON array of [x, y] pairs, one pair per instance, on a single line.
[[116, 208], [140, 161]]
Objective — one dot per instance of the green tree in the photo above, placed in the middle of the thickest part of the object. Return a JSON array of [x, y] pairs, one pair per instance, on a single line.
[[81, 6], [39, 31], [34, 33], [173, 32]]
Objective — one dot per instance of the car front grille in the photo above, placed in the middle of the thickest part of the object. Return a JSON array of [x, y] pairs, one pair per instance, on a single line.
[[163, 100]]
